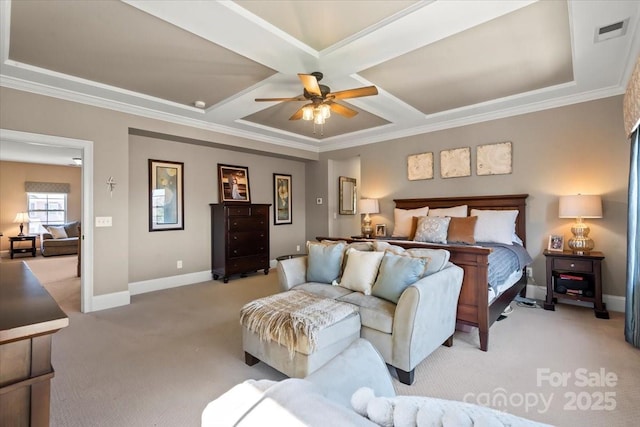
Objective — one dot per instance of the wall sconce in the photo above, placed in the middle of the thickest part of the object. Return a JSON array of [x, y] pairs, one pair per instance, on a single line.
[[579, 207], [367, 206], [21, 218]]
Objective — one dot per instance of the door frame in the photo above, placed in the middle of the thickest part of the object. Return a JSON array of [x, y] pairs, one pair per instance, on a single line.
[[86, 239]]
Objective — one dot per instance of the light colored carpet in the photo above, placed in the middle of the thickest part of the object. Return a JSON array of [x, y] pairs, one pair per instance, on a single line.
[[158, 361], [58, 275]]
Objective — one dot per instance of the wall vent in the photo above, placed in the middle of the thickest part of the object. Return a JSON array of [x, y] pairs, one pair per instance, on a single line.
[[611, 31]]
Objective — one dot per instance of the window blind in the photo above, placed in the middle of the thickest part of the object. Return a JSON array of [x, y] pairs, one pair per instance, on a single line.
[[47, 187]]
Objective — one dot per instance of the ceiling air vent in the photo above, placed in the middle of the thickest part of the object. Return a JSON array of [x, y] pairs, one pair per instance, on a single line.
[[611, 31]]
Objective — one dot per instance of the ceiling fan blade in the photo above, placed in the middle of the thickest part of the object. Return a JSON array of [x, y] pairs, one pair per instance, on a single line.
[[297, 98], [354, 93], [310, 83], [342, 110], [297, 115]]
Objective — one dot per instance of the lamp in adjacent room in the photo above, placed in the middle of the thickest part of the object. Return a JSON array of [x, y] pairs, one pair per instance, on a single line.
[[580, 206], [21, 218], [368, 206]]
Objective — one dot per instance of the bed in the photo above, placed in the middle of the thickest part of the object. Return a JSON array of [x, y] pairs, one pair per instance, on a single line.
[[475, 307]]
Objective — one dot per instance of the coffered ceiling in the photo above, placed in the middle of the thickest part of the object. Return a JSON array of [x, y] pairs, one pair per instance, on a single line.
[[436, 64]]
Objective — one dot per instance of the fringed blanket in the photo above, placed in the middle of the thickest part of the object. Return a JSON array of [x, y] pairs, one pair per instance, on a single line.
[[287, 316]]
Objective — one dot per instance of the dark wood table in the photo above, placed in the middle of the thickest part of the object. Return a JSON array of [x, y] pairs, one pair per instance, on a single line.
[[23, 250], [585, 267], [28, 318]]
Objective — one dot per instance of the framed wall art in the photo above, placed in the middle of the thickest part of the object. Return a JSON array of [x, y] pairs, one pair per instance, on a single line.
[[420, 166], [455, 163], [166, 195], [282, 214], [233, 184], [493, 159]]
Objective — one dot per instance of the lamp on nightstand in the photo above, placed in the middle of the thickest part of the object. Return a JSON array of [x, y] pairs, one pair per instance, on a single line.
[[367, 206], [21, 218], [580, 206]]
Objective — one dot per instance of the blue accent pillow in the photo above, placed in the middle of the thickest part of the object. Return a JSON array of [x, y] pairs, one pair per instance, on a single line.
[[324, 261], [397, 273]]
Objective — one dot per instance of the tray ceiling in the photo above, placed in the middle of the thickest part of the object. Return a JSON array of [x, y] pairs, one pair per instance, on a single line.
[[437, 64]]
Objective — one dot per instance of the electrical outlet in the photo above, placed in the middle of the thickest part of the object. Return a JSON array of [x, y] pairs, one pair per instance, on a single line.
[[179, 264], [529, 272], [297, 248]]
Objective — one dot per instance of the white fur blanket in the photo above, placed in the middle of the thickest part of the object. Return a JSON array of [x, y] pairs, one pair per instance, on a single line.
[[286, 316]]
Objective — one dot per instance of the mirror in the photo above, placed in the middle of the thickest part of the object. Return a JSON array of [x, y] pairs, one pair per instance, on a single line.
[[347, 204]]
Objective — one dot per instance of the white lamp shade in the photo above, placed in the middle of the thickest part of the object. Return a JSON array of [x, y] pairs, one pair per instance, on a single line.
[[580, 206], [21, 218], [368, 206]]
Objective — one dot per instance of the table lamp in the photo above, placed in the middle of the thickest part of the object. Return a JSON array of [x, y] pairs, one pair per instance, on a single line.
[[367, 206], [21, 218], [579, 207]]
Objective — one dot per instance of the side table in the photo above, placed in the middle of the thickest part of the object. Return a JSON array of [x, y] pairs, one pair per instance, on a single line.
[[585, 268], [13, 250]]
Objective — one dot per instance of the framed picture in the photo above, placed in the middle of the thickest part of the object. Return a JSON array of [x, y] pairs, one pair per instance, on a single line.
[[455, 163], [420, 166], [233, 184], [166, 195], [282, 214], [556, 243], [493, 159], [381, 230]]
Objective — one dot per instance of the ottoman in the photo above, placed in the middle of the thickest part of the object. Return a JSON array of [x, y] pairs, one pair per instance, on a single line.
[[305, 356]]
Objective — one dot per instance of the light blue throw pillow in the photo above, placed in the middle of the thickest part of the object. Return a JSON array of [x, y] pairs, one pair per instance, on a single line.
[[397, 273], [324, 261]]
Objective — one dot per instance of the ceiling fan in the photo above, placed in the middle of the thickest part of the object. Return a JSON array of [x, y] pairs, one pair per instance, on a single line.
[[322, 100]]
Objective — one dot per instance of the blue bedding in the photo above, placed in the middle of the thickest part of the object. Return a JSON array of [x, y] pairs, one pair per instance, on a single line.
[[504, 260]]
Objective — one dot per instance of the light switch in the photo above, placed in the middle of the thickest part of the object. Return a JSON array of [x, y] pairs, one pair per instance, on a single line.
[[103, 221]]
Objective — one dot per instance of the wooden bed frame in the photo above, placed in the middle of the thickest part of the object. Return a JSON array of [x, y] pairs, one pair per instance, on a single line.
[[473, 305]]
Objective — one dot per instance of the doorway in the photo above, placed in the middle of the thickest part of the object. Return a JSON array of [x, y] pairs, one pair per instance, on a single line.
[[86, 148]]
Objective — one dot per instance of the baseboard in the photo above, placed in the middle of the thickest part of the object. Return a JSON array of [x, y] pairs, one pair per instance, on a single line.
[[115, 299], [136, 288], [613, 302]]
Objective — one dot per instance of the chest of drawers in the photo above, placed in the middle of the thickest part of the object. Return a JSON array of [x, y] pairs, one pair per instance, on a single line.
[[239, 239]]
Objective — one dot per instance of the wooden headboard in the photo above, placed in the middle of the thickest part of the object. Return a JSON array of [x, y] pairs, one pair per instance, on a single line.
[[506, 202]]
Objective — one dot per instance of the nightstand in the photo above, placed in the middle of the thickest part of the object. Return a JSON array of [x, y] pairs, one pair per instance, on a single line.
[[13, 250], [575, 277]]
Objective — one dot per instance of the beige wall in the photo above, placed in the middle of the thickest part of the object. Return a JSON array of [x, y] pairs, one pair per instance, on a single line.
[[546, 147], [575, 149], [109, 132], [154, 254], [13, 199]]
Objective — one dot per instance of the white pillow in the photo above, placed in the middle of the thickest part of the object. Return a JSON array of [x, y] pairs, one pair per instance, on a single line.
[[361, 271], [432, 229], [496, 226], [403, 218], [58, 232], [456, 211]]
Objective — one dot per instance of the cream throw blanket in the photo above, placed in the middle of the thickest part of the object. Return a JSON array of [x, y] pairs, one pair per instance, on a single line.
[[286, 316]]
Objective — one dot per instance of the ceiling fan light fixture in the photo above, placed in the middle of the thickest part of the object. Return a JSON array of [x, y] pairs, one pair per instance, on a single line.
[[318, 119], [325, 110], [307, 112]]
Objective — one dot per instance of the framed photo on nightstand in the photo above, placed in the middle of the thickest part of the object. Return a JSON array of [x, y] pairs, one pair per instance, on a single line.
[[556, 243]]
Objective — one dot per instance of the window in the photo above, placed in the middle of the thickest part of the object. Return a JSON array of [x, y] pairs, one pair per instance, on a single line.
[[45, 209]]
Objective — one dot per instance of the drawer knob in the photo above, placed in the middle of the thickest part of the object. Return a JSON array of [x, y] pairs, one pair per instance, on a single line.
[[573, 265]]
